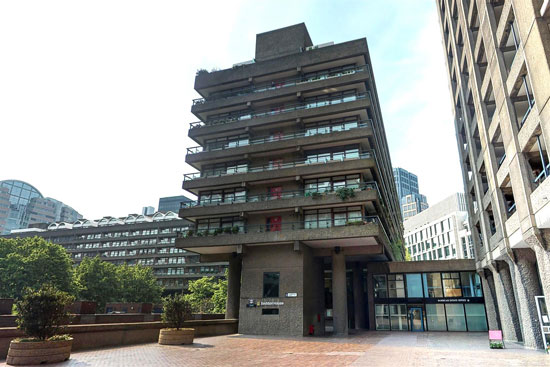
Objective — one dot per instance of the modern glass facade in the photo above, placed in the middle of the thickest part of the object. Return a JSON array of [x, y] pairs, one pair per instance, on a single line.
[[411, 201], [430, 301], [20, 195]]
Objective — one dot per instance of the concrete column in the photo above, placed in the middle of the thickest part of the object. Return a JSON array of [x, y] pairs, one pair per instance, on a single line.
[[339, 294], [491, 306], [541, 245], [370, 300], [358, 296], [508, 312], [527, 287], [233, 287]]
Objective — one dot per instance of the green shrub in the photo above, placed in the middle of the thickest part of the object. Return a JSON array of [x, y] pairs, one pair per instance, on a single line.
[[496, 345], [316, 195], [345, 192], [227, 230], [235, 229], [176, 310], [42, 313]]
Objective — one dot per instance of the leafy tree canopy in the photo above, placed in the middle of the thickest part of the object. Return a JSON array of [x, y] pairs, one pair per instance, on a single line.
[[32, 262], [207, 295]]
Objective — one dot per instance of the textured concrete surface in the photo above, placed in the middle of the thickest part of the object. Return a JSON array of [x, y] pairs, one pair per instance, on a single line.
[[362, 349]]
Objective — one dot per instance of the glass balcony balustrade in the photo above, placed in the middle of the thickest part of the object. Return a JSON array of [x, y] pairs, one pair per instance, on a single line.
[[283, 109], [243, 168], [344, 126], [280, 84], [314, 193]]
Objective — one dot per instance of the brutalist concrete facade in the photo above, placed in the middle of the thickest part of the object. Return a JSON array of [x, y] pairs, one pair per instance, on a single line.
[[498, 56], [294, 183]]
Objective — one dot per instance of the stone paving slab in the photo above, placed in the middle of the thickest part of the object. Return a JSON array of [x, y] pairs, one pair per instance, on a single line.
[[394, 349]]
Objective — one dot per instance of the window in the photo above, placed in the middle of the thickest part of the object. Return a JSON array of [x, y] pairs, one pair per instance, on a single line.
[[382, 317], [270, 311], [398, 317], [455, 317], [451, 285], [471, 284], [432, 285], [414, 286], [475, 316], [435, 316], [271, 285], [324, 127], [325, 218], [222, 196], [396, 286], [380, 286]]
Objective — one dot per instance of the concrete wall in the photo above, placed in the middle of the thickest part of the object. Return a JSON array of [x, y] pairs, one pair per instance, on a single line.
[[290, 265], [109, 335]]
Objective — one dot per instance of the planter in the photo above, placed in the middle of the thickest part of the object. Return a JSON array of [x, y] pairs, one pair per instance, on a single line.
[[176, 337], [29, 353], [6, 305], [83, 307], [146, 308]]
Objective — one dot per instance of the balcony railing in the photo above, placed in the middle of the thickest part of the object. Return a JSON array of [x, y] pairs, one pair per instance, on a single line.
[[281, 195], [344, 126], [278, 85], [287, 108], [542, 176], [275, 165], [281, 227]]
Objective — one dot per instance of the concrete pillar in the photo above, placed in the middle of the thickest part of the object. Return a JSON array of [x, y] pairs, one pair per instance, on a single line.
[[527, 287], [233, 287], [370, 300], [541, 245], [508, 312], [358, 296], [491, 306], [339, 294]]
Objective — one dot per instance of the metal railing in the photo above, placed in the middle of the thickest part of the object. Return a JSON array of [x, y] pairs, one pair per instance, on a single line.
[[271, 138], [280, 195], [275, 111], [278, 85], [542, 176], [282, 227], [274, 166]]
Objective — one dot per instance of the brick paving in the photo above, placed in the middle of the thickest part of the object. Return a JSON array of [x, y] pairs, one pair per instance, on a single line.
[[394, 349]]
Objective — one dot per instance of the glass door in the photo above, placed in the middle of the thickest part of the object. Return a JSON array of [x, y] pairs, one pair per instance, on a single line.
[[416, 319]]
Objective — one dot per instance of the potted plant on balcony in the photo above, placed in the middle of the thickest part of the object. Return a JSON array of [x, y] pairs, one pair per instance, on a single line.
[[345, 192], [176, 310], [40, 315]]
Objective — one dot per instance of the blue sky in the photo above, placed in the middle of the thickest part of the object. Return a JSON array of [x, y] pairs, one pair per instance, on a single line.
[[95, 97]]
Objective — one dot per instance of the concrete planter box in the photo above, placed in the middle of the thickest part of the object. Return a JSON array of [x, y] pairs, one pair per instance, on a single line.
[[30, 353], [146, 307], [176, 337], [6, 305]]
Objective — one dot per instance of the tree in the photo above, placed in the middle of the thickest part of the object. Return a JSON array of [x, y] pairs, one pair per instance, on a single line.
[[97, 281], [138, 284], [176, 310], [32, 262], [207, 295]]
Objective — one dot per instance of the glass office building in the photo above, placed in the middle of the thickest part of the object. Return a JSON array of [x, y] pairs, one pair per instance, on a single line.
[[429, 301]]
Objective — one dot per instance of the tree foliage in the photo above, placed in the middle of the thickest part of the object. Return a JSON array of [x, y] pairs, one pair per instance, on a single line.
[[32, 262], [103, 282], [42, 313], [207, 295], [176, 310]]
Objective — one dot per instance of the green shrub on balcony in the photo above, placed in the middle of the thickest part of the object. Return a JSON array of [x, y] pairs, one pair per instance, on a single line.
[[316, 195], [345, 193], [354, 223], [235, 229], [228, 230]]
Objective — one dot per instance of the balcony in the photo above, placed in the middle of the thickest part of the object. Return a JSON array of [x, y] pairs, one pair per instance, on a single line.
[[285, 109], [362, 193], [275, 138], [279, 85], [361, 235]]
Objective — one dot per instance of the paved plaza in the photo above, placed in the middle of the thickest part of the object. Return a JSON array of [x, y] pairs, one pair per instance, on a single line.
[[395, 349]]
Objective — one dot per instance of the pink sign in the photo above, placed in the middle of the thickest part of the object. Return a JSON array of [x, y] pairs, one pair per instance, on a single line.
[[495, 334]]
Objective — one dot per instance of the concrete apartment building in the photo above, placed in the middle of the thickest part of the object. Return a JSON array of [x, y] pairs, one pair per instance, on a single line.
[[440, 232], [148, 240], [411, 201], [497, 56], [294, 182]]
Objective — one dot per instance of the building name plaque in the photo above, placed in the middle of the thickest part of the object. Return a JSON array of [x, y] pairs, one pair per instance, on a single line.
[[271, 303], [291, 295]]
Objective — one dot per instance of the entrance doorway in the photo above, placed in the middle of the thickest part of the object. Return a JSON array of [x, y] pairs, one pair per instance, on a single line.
[[416, 319]]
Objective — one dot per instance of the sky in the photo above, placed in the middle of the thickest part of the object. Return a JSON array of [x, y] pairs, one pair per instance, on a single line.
[[95, 97]]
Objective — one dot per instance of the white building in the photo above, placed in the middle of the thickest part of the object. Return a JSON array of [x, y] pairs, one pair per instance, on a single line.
[[440, 232]]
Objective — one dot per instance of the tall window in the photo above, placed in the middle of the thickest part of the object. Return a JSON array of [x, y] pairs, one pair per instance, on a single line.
[[380, 286], [471, 284], [451, 284], [396, 286], [271, 285], [432, 285]]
